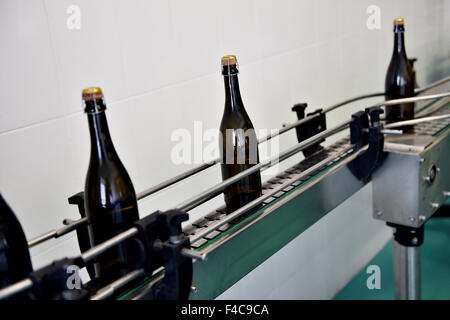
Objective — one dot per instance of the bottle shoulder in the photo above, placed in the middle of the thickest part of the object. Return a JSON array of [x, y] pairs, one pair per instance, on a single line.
[[108, 182], [399, 75], [236, 119]]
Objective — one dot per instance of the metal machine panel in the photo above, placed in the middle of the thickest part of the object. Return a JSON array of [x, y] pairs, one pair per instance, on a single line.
[[293, 214], [413, 180]]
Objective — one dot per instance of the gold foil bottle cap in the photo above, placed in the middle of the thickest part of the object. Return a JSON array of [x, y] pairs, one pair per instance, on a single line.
[[229, 60], [399, 22], [92, 94]]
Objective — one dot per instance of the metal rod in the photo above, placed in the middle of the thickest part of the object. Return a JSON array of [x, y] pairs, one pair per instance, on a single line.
[[340, 104], [102, 247], [435, 84], [261, 199], [196, 200], [391, 132], [411, 99], [205, 166], [57, 233], [416, 121], [188, 253], [175, 179], [407, 272], [110, 289], [15, 288]]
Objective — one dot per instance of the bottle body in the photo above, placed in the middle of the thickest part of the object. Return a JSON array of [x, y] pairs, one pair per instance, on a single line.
[[236, 158], [399, 82], [110, 201], [238, 145]]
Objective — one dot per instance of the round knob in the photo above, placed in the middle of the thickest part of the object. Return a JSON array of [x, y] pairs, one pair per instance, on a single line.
[[431, 174]]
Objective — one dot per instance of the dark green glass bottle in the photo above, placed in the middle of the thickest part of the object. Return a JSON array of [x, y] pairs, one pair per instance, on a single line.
[[238, 143], [110, 199], [399, 79], [15, 261]]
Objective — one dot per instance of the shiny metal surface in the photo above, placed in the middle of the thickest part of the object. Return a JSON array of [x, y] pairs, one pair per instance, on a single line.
[[99, 249], [416, 121], [412, 99], [402, 192], [110, 289], [296, 211], [215, 225], [407, 272], [57, 233], [243, 227], [15, 288]]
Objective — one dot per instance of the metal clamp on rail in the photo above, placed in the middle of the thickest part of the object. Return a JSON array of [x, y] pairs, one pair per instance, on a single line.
[[361, 133], [159, 242], [167, 246], [177, 281], [52, 282], [162, 242], [82, 230], [316, 124]]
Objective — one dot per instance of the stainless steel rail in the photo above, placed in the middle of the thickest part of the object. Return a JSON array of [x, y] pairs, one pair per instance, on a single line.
[[57, 233], [415, 121], [364, 96], [378, 94], [15, 288], [196, 200], [110, 289], [264, 197], [288, 127], [432, 85], [411, 99], [205, 166]]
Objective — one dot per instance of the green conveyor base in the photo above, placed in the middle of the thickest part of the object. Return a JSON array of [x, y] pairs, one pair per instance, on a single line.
[[435, 272]]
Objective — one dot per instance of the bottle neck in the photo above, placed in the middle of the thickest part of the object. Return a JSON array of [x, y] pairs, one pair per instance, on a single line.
[[233, 100], [102, 147], [399, 44]]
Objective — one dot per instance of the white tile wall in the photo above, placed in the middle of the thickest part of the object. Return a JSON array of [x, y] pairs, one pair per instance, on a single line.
[[158, 64]]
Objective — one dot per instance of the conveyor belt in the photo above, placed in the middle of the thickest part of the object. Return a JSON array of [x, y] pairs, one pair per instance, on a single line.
[[215, 236], [335, 151], [428, 128]]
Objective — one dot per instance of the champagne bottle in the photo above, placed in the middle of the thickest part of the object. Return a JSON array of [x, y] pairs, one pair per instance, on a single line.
[[399, 79], [110, 199], [15, 261], [238, 143]]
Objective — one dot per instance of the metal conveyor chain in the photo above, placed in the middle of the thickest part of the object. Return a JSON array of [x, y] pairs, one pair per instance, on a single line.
[[339, 150]]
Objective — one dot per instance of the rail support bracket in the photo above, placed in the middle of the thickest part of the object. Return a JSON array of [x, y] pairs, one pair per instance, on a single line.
[[362, 133]]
